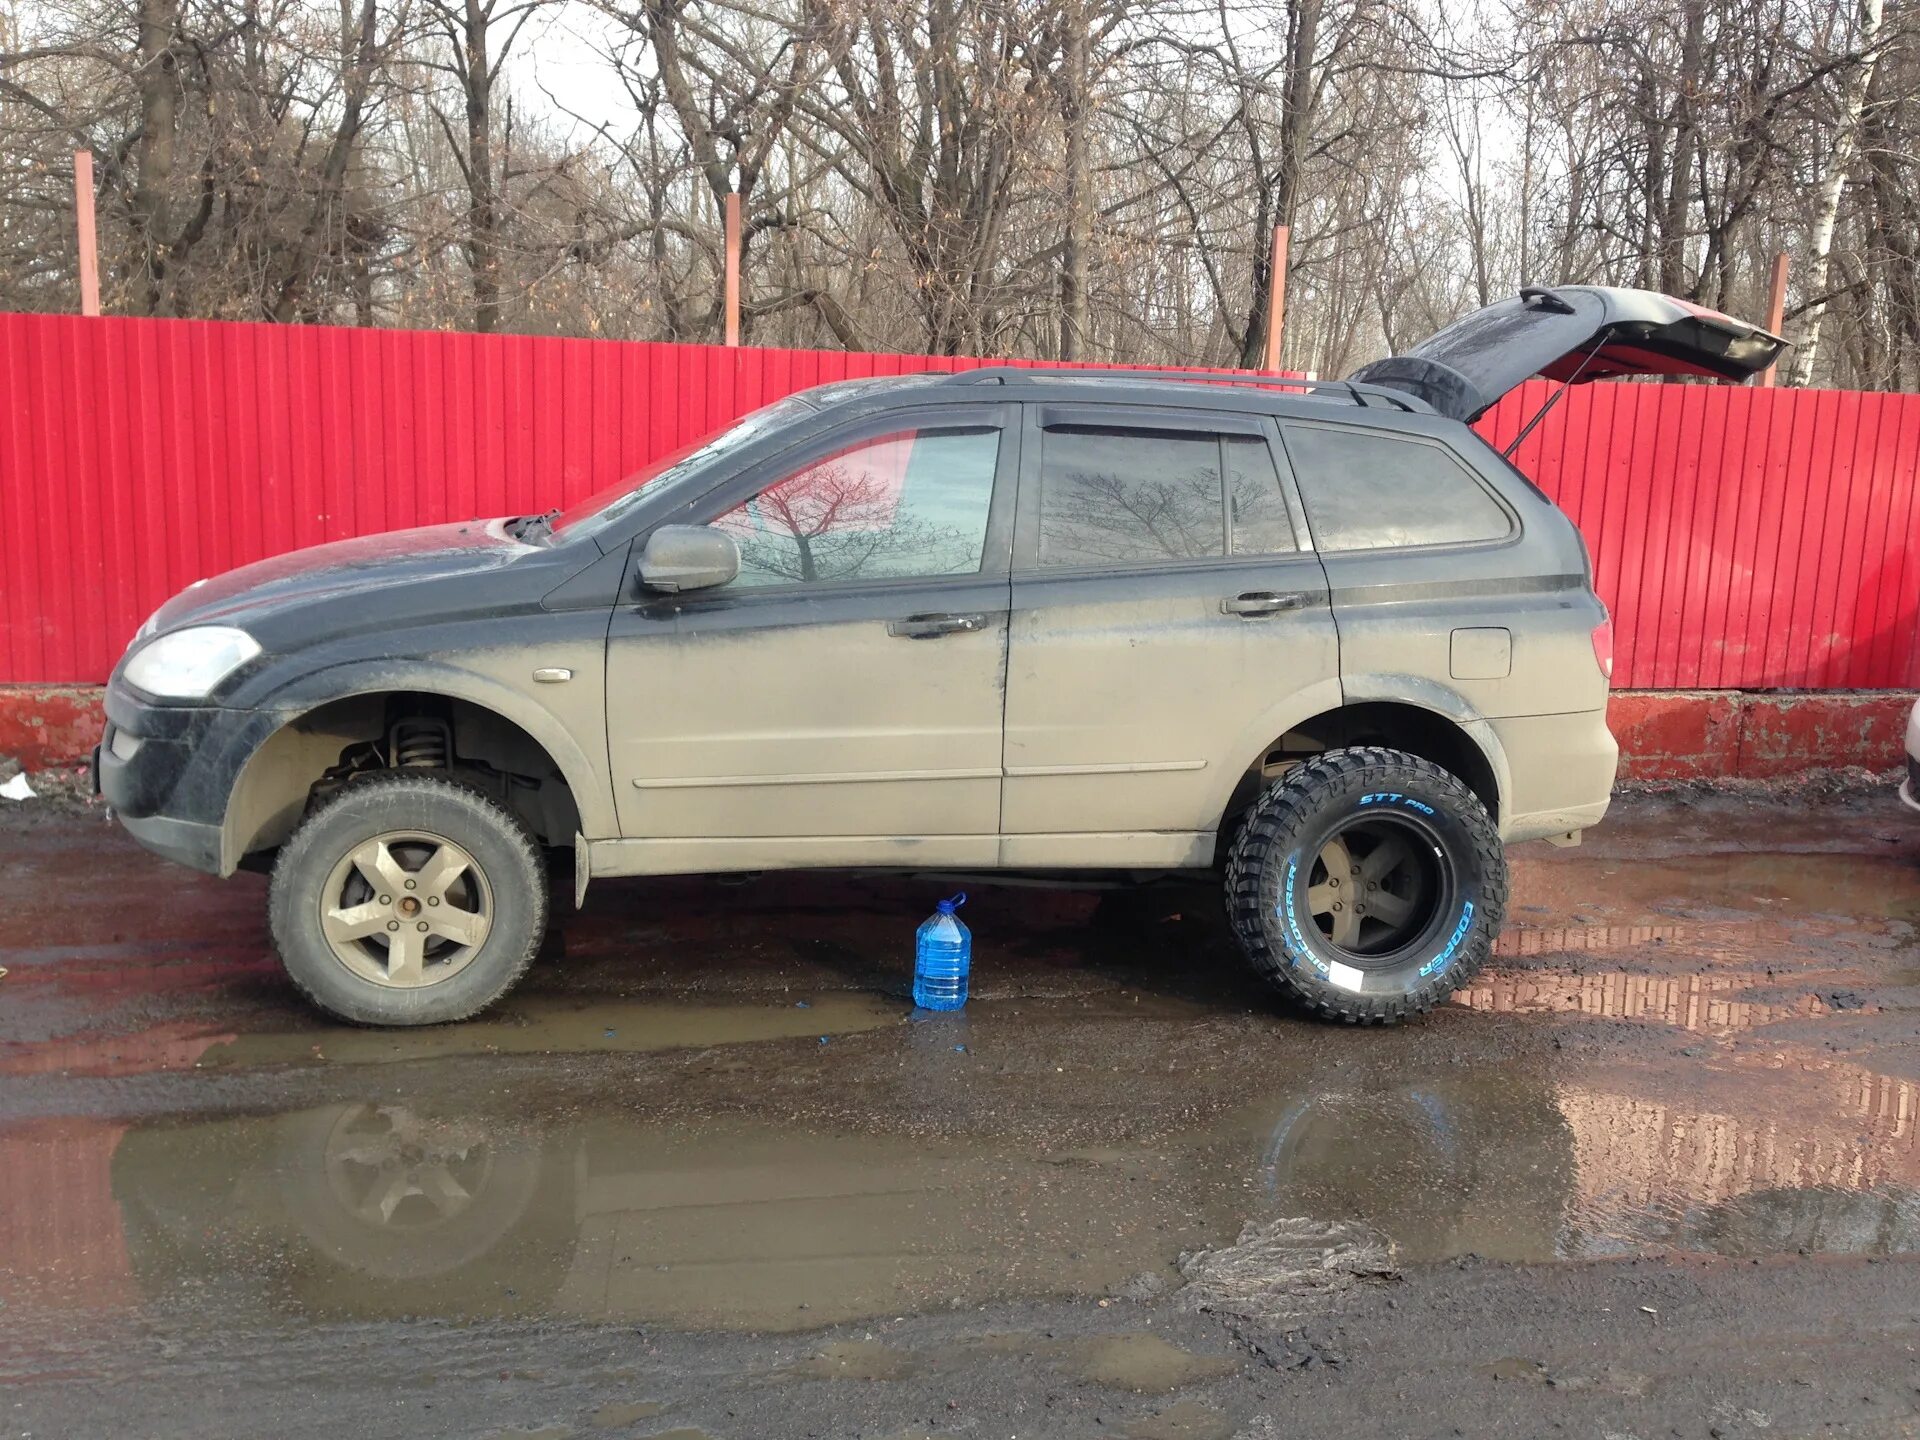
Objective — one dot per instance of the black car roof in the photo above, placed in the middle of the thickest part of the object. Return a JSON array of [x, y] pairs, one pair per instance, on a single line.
[[1144, 387]]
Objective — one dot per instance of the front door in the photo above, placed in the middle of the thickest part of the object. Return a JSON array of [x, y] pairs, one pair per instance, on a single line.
[[1166, 607], [840, 702]]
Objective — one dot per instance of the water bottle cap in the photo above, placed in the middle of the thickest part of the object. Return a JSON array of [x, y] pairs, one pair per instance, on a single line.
[[947, 907]]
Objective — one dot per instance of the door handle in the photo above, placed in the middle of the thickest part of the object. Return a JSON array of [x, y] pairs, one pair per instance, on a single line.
[[1264, 602], [927, 627]]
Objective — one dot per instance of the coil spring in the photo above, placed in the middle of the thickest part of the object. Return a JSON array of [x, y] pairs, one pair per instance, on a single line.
[[421, 743]]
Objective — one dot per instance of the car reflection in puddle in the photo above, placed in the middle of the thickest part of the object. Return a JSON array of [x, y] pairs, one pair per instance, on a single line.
[[1516, 1172], [383, 1209]]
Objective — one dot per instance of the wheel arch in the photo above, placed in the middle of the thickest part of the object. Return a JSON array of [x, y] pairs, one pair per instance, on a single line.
[[322, 716], [1438, 726]]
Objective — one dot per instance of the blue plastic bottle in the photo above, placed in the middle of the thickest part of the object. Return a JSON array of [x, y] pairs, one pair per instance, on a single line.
[[942, 956]]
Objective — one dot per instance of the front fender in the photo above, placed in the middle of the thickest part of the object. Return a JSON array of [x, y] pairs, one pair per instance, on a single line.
[[476, 680]]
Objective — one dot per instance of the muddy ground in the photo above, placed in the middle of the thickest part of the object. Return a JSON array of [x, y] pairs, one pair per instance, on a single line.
[[1656, 1172]]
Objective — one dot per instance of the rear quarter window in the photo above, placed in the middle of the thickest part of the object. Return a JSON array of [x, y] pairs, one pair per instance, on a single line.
[[1365, 490]]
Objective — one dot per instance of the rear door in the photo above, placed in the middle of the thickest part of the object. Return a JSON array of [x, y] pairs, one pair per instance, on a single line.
[[1447, 592], [1165, 598]]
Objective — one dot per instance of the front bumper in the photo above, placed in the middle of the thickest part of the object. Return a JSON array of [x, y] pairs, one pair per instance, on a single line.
[[185, 842], [167, 771]]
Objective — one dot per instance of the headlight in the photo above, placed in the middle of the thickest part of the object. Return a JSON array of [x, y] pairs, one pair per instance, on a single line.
[[187, 664]]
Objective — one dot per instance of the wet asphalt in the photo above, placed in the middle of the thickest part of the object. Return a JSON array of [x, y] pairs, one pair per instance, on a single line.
[[1656, 1171]]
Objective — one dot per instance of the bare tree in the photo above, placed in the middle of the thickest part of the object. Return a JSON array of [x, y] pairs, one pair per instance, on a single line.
[[1077, 178]]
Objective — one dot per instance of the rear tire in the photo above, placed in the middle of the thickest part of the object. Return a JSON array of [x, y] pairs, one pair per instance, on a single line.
[[1368, 884], [408, 899]]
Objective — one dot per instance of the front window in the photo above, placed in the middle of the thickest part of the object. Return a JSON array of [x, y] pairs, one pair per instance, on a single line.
[[908, 504], [686, 464]]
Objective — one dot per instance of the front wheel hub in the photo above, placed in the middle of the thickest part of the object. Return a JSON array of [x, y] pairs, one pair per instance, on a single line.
[[406, 909]]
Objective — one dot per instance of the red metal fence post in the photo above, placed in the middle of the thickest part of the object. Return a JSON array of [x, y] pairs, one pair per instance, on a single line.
[[733, 269], [1277, 295], [83, 220], [1776, 310]]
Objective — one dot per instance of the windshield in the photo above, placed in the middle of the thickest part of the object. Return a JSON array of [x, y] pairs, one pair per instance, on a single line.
[[673, 470]]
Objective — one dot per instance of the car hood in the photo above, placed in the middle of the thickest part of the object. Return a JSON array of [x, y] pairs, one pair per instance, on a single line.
[[372, 562], [1572, 333]]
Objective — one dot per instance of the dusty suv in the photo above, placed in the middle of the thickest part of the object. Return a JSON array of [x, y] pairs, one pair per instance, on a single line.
[[1316, 637]]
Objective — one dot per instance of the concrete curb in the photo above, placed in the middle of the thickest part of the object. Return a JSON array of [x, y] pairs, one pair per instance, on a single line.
[[1755, 735], [1663, 734]]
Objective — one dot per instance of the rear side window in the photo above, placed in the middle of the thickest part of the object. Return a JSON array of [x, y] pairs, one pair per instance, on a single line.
[[1134, 496], [1369, 491], [1257, 519]]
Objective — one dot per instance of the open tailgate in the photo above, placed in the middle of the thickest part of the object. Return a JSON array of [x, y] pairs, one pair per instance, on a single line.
[[1572, 333]]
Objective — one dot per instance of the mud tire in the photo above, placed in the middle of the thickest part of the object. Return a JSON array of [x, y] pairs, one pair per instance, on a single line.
[[1285, 830], [499, 843]]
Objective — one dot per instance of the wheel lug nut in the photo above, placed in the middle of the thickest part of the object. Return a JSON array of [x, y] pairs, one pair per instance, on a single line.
[[386, 899], [393, 924], [433, 900], [423, 924], [1356, 871], [413, 885], [1337, 905]]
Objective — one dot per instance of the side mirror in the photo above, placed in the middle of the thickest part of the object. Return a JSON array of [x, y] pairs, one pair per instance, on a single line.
[[688, 557]]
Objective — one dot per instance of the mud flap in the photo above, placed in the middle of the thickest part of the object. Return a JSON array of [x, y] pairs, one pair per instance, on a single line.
[[582, 871]]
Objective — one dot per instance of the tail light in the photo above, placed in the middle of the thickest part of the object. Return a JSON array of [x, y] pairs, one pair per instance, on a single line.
[[1603, 647]]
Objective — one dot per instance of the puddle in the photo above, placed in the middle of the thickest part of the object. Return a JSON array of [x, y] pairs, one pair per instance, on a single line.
[[1143, 1363], [617, 1413], [1103, 1115], [1601, 939], [382, 1209], [1787, 887], [545, 1025], [1533, 1171], [1183, 1420], [1514, 1367], [854, 1360], [1713, 1004]]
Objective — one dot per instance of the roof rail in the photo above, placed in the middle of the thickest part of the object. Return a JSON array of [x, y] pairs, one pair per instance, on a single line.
[[1359, 393]]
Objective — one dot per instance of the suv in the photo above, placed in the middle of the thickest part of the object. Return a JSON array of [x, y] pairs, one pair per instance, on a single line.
[[1315, 637]]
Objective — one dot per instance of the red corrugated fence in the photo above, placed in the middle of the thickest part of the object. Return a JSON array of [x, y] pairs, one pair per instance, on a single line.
[[1744, 538]]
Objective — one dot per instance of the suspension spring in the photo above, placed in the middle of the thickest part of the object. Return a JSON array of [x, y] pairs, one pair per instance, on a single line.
[[421, 744]]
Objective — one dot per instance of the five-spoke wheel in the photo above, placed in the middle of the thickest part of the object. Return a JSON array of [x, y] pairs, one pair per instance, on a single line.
[[1375, 885], [406, 908], [408, 898]]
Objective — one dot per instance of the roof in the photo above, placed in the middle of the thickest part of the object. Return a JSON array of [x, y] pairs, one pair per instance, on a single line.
[[1138, 385]]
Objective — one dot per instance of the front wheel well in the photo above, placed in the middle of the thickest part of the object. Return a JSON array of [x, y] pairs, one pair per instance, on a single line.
[[314, 755], [1411, 728]]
